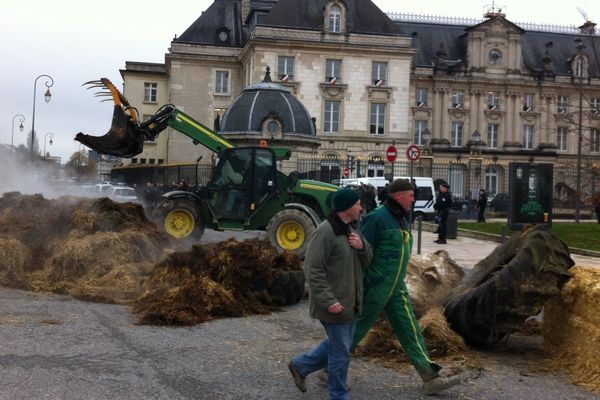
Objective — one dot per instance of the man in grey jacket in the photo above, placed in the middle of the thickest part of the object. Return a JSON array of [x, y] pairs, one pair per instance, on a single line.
[[335, 258]]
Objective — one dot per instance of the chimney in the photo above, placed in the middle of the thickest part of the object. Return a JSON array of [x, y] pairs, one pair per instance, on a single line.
[[589, 28], [245, 10]]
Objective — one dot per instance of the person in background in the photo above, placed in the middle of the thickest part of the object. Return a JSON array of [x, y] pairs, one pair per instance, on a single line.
[[335, 258], [387, 230], [442, 207], [597, 208], [481, 205], [383, 194]]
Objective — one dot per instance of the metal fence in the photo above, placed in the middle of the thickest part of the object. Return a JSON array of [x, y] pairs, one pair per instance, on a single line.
[[465, 177]]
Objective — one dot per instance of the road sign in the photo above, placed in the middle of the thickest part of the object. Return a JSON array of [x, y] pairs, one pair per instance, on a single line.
[[413, 152], [391, 153], [346, 172]]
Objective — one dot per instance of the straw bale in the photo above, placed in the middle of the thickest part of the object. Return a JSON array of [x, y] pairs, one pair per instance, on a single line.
[[571, 329], [14, 259]]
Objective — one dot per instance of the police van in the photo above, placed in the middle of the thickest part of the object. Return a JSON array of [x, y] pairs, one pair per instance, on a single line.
[[424, 198]]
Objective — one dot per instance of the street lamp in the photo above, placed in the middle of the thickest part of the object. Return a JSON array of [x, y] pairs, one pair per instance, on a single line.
[[12, 134], [427, 152], [46, 137], [475, 161], [579, 63], [49, 82]]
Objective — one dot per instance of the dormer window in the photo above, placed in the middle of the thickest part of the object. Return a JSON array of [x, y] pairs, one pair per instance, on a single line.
[[335, 19], [580, 67]]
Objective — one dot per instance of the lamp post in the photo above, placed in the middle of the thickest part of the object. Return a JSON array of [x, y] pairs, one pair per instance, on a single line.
[[46, 137], [47, 96], [427, 152], [475, 161], [12, 134], [579, 64]]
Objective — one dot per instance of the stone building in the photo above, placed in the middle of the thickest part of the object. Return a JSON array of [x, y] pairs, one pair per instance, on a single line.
[[473, 95]]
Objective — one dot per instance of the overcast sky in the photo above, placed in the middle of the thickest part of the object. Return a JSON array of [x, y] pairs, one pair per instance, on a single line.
[[75, 42]]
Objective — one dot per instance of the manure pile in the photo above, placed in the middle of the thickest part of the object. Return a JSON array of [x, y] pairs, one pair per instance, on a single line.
[[103, 251], [571, 328]]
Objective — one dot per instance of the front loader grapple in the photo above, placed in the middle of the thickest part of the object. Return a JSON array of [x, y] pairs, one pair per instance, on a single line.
[[125, 137]]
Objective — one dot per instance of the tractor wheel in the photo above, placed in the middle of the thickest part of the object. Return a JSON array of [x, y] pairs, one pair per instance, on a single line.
[[290, 230], [508, 286], [180, 219]]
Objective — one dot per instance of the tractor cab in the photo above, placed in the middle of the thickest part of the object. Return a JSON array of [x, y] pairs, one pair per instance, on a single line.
[[243, 180]]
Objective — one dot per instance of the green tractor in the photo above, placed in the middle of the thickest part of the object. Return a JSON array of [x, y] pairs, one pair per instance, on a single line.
[[245, 191]]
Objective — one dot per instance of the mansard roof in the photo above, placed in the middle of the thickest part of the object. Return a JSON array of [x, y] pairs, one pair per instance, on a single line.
[[428, 38]]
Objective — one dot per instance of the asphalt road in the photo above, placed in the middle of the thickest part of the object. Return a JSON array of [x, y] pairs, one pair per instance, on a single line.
[[55, 347]]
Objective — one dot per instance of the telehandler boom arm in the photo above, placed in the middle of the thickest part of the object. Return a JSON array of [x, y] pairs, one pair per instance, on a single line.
[[127, 134]]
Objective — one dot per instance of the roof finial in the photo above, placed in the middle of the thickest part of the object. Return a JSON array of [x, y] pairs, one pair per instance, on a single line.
[[267, 78]]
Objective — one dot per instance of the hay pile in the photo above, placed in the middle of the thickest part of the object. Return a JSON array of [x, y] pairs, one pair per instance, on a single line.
[[103, 251], [442, 342], [227, 279], [92, 249], [571, 328]]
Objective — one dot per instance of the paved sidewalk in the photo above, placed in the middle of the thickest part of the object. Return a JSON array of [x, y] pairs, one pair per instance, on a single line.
[[468, 251]]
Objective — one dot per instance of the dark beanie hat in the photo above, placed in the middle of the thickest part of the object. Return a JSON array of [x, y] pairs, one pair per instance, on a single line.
[[344, 198], [400, 185]]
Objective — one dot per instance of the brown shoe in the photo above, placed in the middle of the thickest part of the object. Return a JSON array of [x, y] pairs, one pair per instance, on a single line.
[[438, 384], [299, 380]]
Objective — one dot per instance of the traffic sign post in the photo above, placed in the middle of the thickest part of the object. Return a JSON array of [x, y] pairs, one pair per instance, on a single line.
[[391, 154], [346, 172]]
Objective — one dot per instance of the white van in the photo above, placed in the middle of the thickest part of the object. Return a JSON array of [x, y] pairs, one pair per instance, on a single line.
[[425, 196]]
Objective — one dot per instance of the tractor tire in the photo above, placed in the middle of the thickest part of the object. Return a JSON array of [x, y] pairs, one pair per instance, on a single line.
[[290, 230], [179, 218], [509, 286]]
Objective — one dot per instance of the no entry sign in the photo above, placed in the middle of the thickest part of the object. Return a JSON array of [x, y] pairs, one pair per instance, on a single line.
[[391, 153]]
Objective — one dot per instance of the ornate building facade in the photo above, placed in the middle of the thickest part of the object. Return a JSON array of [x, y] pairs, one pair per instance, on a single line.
[[472, 95]]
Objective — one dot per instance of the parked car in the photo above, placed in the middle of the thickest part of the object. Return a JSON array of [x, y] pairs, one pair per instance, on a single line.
[[500, 202], [122, 194]]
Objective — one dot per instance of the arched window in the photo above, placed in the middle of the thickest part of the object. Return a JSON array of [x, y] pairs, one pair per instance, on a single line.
[[335, 19]]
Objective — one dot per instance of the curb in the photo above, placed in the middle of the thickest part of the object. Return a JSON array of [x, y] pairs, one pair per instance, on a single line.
[[430, 227]]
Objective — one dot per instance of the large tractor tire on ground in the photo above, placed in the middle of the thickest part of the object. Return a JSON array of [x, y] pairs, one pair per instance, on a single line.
[[179, 218], [509, 286], [290, 230]]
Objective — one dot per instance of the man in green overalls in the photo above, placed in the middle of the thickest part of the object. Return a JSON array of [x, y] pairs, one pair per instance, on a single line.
[[387, 230]]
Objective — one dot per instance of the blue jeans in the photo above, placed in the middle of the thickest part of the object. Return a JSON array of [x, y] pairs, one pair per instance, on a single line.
[[333, 353]]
